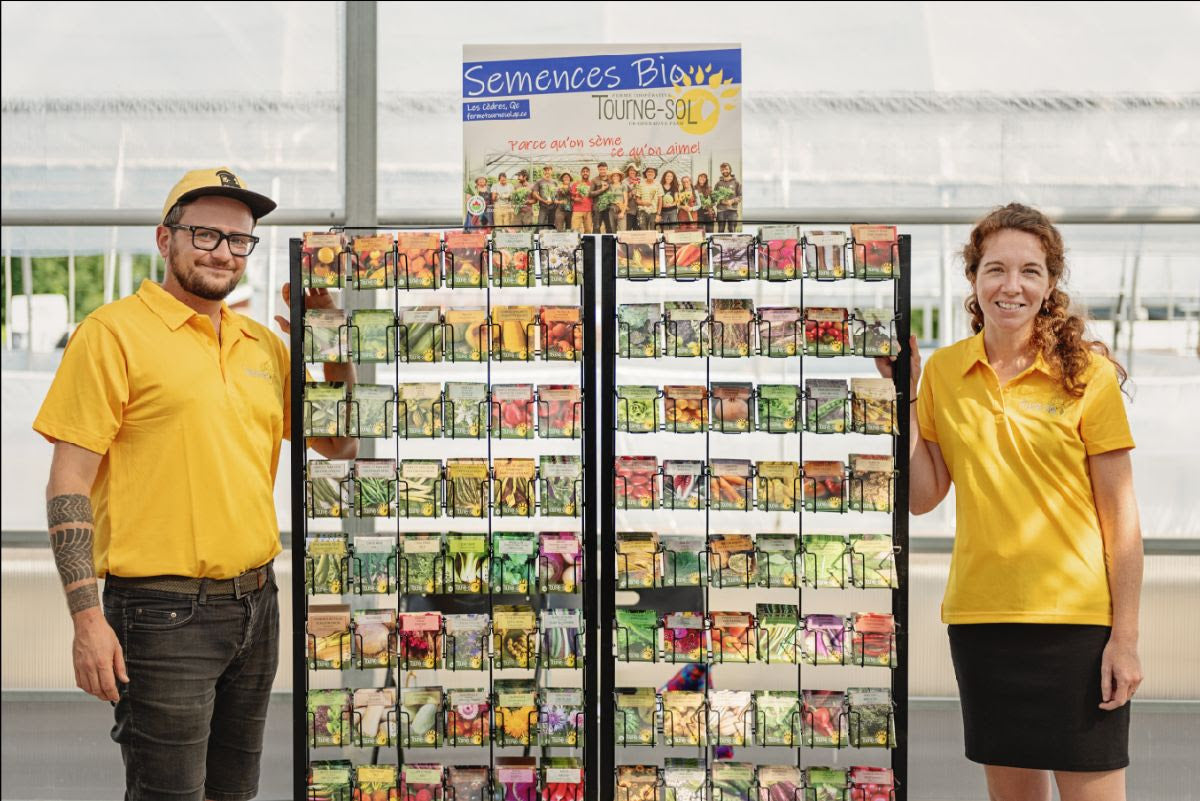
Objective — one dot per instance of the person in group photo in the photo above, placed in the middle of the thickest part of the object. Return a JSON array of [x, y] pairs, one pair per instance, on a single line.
[[523, 199], [483, 218], [562, 202], [599, 186], [632, 179], [545, 195], [706, 215], [729, 207], [1025, 420], [580, 194], [649, 196], [504, 215], [617, 213], [688, 204], [669, 208]]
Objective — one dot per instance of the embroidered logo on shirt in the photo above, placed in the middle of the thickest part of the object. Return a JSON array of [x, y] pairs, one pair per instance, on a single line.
[[263, 372], [1054, 407]]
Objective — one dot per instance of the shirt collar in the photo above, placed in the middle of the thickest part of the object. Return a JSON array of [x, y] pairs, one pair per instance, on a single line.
[[174, 312], [976, 353]]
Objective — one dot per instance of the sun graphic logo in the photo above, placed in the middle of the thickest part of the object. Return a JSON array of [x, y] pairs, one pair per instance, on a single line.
[[702, 94]]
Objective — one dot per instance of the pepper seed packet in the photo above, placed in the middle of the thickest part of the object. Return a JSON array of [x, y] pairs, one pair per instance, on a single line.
[[728, 717], [512, 258], [637, 254], [873, 642], [419, 487], [873, 562], [825, 784], [778, 717], [374, 719], [871, 723], [418, 640], [466, 408], [560, 411], [328, 488], [684, 325], [326, 573], [778, 633], [419, 334], [684, 780], [825, 405], [731, 560], [419, 258], [466, 487], [512, 411], [826, 331], [420, 781], [467, 717], [370, 335], [731, 407], [780, 247], [729, 485], [561, 477], [375, 564], [325, 336], [732, 256], [467, 557], [778, 486], [824, 560], [823, 486], [872, 329], [513, 562], [637, 330], [637, 409], [372, 409], [684, 254], [777, 559], [516, 778], [374, 637], [324, 408], [467, 782], [513, 487], [824, 725], [514, 333], [636, 483], [562, 333], [733, 781], [825, 255], [777, 404], [732, 635], [466, 334], [516, 712], [873, 406], [375, 487], [824, 640], [418, 410], [635, 718], [637, 783], [420, 717], [419, 565], [466, 259], [683, 717], [322, 259], [560, 558], [328, 635], [729, 333], [683, 484], [563, 263], [636, 559], [562, 778], [871, 784], [561, 718], [683, 637], [560, 638], [685, 408], [779, 331], [781, 783], [327, 714], [514, 630], [466, 641], [870, 482], [635, 638], [875, 252], [680, 560]]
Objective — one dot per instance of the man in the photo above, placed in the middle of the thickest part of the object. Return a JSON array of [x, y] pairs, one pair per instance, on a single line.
[[600, 219], [649, 196], [545, 193], [727, 209], [581, 202], [631, 184], [523, 199], [166, 416], [502, 201]]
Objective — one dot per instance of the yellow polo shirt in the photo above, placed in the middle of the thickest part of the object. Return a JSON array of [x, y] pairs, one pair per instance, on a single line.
[[189, 428], [1027, 546]]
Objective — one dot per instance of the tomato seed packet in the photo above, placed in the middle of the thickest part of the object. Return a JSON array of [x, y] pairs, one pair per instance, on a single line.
[[560, 411], [512, 411], [636, 482], [512, 259], [372, 262], [418, 260], [322, 259], [561, 332], [421, 781], [465, 259], [875, 252], [826, 332]]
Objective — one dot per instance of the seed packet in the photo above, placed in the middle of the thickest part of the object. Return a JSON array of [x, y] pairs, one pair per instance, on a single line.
[[731, 560], [418, 262], [560, 558], [328, 637], [873, 642], [467, 712], [732, 635], [732, 256], [370, 335], [560, 411], [466, 259], [684, 779], [514, 333], [824, 559], [466, 335], [328, 488], [683, 637], [420, 717], [420, 781], [466, 487], [419, 334], [825, 784], [872, 332], [824, 640], [729, 484], [636, 487], [777, 717], [873, 562], [375, 565], [823, 486], [823, 718], [324, 408], [875, 252], [635, 715], [781, 783], [419, 410], [684, 254], [420, 487], [326, 336], [512, 258], [637, 254], [562, 333], [329, 780], [871, 723], [683, 484], [777, 557], [778, 633], [562, 777], [825, 255], [635, 639], [513, 564], [328, 712], [372, 262], [781, 249], [684, 327], [326, 569], [562, 478], [637, 330], [636, 559], [778, 486], [870, 482], [374, 637], [825, 405], [563, 260], [419, 640], [466, 409], [637, 409], [466, 645], [732, 781], [826, 332], [513, 487], [779, 331], [467, 783], [375, 487], [372, 410], [515, 630], [731, 407], [680, 560], [728, 717], [777, 404], [683, 717], [418, 564], [561, 720], [871, 784], [561, 642], [516, 712], [516, 778], [637, 783], [322, 259], [467, 558], [685, 408], [374, 719], [730, 331], [873, 406], [512, 411]]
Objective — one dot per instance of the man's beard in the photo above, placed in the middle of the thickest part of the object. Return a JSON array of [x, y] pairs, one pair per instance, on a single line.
[[192, 281]]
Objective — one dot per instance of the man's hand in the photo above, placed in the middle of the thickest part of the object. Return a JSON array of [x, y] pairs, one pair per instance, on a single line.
[[1120, 674], [314, 299], [99, 660]]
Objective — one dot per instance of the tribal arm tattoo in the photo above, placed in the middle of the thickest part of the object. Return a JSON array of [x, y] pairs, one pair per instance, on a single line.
[[70, 523]]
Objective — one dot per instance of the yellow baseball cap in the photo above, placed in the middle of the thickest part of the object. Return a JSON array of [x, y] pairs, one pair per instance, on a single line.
[[217, 181]]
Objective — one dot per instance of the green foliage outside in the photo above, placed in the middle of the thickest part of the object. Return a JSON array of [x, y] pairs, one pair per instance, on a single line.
[[50, 278]]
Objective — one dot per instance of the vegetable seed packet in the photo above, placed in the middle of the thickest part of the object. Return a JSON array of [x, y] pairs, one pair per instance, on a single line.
[[562, 333], [683, 637], [825, 255], [322, 260], [561, 477], [466, 259], [871, 784], [466, 409], [778, 486], [731, 407], [637, 254], [420, 717], [875, 252], [825, 405], [778, 633], [375, 488], [778, 717], [373, 267], [777, 558], [418, 262], [468, 782], [683, 484], [560, 411], [870, 482], [781, 783], [375, 565], [824, 640], [419, 410], [733, 781], [824, 560], [328, 637], [781, 249], [873, 406], [419, 334], [325, 336], [731, 560], [779, 331], [870, 719], [873, 561], [419, 487], [683, 717], [560, 558], [560, 638], [635, 482], [823, 488], [467, 558], [512, 411], [777, 404], [466, 641], [683, 325], [516, 778], [467, 712], [635, 718], [467, 334], [823, 719], [513, 562], [637, 783], [512, 258], [562, 777], [637, 409], [873, 642], [324, 408], [684, 254], [635, 639], [514, 333], [685, 408], [326, 558], [729, 333], [636, 559], [728, 717], [872, 332], [729, 484], [372, 409], [374, 637], [467, 487], [419, 564], [516, 712], [732, 256], [514, 629], [825, 784], [420, 781], [370, 335], [684, 780], [563, 264], [561, 718], [637, 330], [680, 560], [329, 780], [732, 635], [374, 719], [419, 640], [328, 711], [513, 487], [826, 332], [328, 488]]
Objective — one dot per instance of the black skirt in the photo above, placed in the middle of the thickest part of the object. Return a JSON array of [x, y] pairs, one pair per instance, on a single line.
[[1030, 697]]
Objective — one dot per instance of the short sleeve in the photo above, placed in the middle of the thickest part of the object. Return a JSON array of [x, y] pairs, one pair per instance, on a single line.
[[925, 404], [1103, 424], [87, 399]]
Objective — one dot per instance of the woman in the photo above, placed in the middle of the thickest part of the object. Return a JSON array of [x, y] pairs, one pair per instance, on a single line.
[[689, 204], [1025, 419], [669, 215], [562, 215], [706, 214], [631, 182]]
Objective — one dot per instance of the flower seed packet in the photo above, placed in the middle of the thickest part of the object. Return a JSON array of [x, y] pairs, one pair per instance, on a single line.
[[419, 487], [871, 783], [729, 333], [870, 482], [421, 781], [683, 484], [560, 411], [732, 407], [420, 718], [328, 711], [466, 409], [732, 256], [515, 637], [683, 717], [513, 487], [420, 564], [513, 562], [875, 252], [777, 405], [778, 486], [635, 639], [419, 334], [824, 725], [637, 783], [684, 327], [685, 408], [514, 333], [322, 259], [418, 262], [872, 332], [681, 559], [731, 560], [636, 482], [824, 640], [324, 408], [684, 779], [326, 336], [561, 642], [778, 633], [328, 488], [371, 258], [635, 718], [512, 411], [562, 479], [732, 635], [560, 558], [562, 333], [823, 486], [870, 719], [873, 562], [873, 406], [825, 255], [374, 719], [777, 558], [637, 254], [637, 330], [375, 564], [826, 331], [467, 555], [783, 782], [637, 409], [375, 488], [825, 405], [824, 560], [516, 778], [328, 636], [561, 718], [512, 258], [781, 248], [779, 331], [467, 712], [778, 718], [873, 642], [419, 410], [825, 784], [467, 782], [466, 641], [684, 252], [729, 717], [372, 409], [466, 487], [733, 781], [419, 640], [371, 335], [729, 484], [562, 778], [683, 637], [374, 637], [466, 334], [516, 712], [466, 259], [636, 559], [563, 265]]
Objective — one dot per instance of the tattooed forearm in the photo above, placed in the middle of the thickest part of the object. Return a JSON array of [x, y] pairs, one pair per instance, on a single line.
[[68, 509], [73, 554], [83, 597]]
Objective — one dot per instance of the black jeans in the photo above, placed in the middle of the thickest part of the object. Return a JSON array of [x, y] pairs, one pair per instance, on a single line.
[[190, 721]]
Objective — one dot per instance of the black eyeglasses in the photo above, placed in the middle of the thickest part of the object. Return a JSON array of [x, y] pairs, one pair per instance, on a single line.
[[210, 239]]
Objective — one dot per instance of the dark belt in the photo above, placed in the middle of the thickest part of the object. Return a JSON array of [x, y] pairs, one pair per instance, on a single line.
[[252, 580]]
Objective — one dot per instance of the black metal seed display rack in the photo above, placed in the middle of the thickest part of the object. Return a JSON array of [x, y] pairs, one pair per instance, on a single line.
[[444, 587], [754, 586]]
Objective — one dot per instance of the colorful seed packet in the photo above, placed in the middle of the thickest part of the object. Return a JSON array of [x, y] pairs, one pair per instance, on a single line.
[[871, 331], [732, 256], [419, 410], [733, 781], [778, 721], [732, 407], [419, 640], [467, 715], [371, 335], [684, 327], [826, 332], [562, 258], [680, 560], [466, 641], [513, 564], [778, 633], [419, 334], [329, 779], [513, 487], [730, 332], [781, 783], [421, 781], [780, 332], [729, 485], [824, 718], [637, 783], [636, 482], [729, 717], [871, 722], [683, 637], [328, 487], [466, 333], [372, 410], [512, 411], [328, 636], [779, 253], [825, 405], [467, 783], [516, 712], [514, 630], [328, 716], [683, 721], [875, 252], [777, 408], [635, 639], [637, 330], [871, 482], [466, 409], [420, 717], [732, 636], [560, 411], [562, 778], [637, 409], [635, 716], [516, 778], [324, 408], [561, 642], [683, 484], [512, 259], [465, 259], [375, 488], [685, 408], [561, 332], [825, 255], [636, 559], [637, 254], [467, 487], [418, 260], [824, 560], [323, 259], [562, 479], [777, 559], [871, 784], [561, 717], [419, 487], [778, 486], [825, 784], [824, 640], [873, 406], [375, 565], [684, 254], [467, 556], [325, 569], [873, 640], [873, 562], [420, 564], [325, 336], [374, 638], [560, 558], [514, 333], [374, 720], [684, 779], [823, 486], [731, 560]]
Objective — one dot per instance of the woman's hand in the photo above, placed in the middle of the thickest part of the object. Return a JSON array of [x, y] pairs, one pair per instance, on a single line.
[[884, 365], [1120, 674], [317, 298]]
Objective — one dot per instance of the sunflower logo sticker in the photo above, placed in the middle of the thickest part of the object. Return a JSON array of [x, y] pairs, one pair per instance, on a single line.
[[706, 94]]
